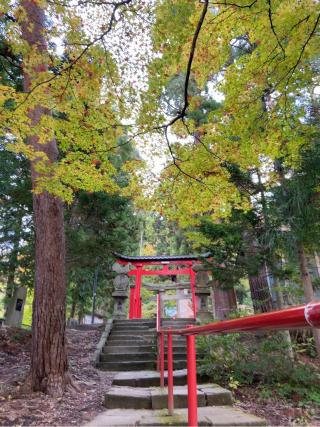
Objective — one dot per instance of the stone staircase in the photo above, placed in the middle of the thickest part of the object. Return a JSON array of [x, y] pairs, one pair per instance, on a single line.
[[135, 344], [131, 346], [135, 397]]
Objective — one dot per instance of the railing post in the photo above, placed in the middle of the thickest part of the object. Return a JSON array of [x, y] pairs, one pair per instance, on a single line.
[[158, 326], [192, 382], [131, 302], [161, 359], [158, 352], [193, 292], [170, 375]]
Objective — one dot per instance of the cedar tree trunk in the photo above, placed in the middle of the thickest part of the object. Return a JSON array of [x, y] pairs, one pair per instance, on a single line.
[[48, 359], [224, 301], [259, 287], [260, 292]]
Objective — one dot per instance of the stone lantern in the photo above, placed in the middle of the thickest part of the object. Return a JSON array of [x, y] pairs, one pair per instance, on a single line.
[[202, 291], [120, 290]]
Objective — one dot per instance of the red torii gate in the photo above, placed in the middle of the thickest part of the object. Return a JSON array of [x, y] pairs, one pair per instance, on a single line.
[[139, 262]]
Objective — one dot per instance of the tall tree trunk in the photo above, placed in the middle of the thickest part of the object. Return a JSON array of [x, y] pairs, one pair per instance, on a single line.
[[260, 292], [259, 286], [48, 358], [307, 288], [73, 308], [224, 302]]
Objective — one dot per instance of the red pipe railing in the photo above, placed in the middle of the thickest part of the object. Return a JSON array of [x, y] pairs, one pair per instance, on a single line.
[[170, 374], [290, 318], [307, 315]]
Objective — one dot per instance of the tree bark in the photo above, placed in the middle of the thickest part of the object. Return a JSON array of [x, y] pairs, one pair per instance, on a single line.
[[73, 308], [307, 288], [48, 358], [259, 287], [260, 292], [224, 302]]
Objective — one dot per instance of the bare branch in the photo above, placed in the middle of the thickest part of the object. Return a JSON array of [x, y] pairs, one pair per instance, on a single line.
[[190, 60], [273, 28], [224, 3]]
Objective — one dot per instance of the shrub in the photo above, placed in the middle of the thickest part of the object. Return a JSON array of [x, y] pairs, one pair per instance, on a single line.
[[236, 360]]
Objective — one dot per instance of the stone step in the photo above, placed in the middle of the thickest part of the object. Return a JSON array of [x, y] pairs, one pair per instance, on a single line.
[[123, 357], [116, 349], [116, 346], [178, 345], [131, 327], [133, 332], [128, 366], [125, 334], [135, 325], [176, 326], [173, 323], [177, 355], [131, 338], [137, 365], [152, 378], [130, 343], [177, 339], [148, 378], [222, 416], [134, 321], [126, 397], [177, 364]]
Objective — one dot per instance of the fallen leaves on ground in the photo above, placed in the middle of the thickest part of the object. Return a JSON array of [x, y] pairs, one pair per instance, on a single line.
[[18, 407], [276, 412]]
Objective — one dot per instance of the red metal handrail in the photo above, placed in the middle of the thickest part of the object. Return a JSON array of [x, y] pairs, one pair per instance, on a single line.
[[302, 316], [307, 315]]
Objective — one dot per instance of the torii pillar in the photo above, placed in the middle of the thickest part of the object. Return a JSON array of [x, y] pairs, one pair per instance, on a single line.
[[137, 306]]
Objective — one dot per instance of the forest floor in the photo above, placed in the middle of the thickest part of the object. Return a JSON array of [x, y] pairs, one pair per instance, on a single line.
[[277, 412], [20, 407]]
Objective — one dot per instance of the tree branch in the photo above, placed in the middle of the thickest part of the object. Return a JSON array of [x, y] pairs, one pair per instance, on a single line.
[[190, 60], [273, 27], [218, 3]]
